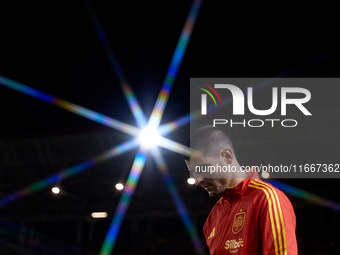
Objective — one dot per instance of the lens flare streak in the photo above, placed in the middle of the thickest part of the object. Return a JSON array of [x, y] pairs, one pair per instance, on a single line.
[[82, 111], [172, 126], [176, 197], [174, 146], [124, 202], [307, 196], [128, 93], [176, 61], [53, 179]]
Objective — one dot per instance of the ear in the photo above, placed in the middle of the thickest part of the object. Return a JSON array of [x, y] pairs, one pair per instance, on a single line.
[[187, 162], [228, 156]]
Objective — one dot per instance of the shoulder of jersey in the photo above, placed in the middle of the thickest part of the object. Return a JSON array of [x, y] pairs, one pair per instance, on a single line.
[[262, 189]]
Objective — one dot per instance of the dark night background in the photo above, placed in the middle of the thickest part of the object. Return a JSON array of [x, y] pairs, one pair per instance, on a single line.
[[53, 46]]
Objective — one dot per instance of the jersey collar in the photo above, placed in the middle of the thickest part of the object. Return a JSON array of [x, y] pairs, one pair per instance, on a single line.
[[234, 193]]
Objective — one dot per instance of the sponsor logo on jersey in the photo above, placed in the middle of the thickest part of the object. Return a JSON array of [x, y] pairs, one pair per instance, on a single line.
[[233, 245]]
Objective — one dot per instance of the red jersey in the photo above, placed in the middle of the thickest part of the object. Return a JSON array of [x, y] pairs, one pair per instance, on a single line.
[[252, 218]]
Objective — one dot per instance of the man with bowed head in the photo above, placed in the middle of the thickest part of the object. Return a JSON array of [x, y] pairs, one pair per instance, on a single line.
[[252, 216]]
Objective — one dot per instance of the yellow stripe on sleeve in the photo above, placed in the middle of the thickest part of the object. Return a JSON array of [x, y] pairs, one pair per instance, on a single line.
[[270, 213], [281, 216], [277, 221]]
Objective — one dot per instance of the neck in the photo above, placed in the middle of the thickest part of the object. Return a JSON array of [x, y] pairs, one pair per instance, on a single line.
[[237, 177]]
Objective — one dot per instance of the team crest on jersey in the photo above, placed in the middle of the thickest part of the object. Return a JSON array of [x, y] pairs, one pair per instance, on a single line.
[[239, 219]]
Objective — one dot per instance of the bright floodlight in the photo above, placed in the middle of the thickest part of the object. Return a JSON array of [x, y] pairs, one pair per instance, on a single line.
[[191, 181], [97, 215], [149, 137], [265, 175], [119, 186], [55, 190]]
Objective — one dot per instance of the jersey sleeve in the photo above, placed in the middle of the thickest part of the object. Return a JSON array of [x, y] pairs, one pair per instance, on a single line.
[[277, 222]]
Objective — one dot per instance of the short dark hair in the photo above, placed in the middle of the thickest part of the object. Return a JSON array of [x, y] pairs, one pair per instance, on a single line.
[[210, 141]]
